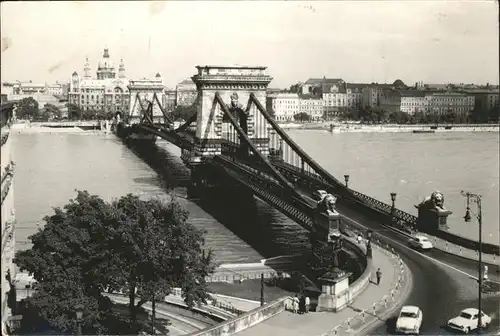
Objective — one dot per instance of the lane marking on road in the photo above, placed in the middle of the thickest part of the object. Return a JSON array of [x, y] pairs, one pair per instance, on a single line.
[[408, 248], [419, 253]]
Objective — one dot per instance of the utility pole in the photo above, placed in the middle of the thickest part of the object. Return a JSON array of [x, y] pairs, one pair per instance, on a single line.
[[477, 199]]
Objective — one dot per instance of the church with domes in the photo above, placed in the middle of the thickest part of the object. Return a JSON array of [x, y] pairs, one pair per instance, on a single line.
[[107, 91]]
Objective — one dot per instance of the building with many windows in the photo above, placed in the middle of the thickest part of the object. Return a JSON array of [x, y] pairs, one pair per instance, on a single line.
[[441, 103], [334, 97], [106, 92], [186, 93], [354, 93], [170, 100], [416, 101], [312, 105], [283, 105]]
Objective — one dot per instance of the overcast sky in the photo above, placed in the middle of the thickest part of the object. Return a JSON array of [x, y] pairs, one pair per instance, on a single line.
[[359, 41]]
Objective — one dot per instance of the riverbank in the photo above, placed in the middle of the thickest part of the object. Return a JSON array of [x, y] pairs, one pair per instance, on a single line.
[[357, 128], [75, 127]]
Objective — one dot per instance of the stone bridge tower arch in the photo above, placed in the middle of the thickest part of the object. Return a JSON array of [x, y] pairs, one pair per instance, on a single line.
[[234, 85], [146, 89]]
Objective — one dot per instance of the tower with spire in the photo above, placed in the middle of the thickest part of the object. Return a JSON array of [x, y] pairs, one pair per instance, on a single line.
[[86, 69], [121, 69]]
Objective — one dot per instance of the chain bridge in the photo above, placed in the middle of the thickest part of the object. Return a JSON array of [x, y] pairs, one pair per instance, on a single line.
[[232, 139]]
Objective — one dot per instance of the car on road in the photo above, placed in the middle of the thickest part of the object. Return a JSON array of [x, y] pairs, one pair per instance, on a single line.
[[409, 320], [318, 195], [420, 242], [468, 320]]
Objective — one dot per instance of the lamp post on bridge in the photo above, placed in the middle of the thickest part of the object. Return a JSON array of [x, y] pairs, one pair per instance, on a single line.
[[369, 235], [393, 206], [476, 199], [79, 318], [346, 179]]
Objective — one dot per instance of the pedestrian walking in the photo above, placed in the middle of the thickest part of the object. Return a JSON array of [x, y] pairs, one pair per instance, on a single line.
[[308, 303], [379, 276], [295, 304]]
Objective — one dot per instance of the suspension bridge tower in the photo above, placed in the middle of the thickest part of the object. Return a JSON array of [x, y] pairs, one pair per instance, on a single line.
[[237, 87], [144, 92]]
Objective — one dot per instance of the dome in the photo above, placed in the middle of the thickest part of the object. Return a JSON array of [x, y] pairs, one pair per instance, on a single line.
[[75, 74], [106, 62], [158, 75], [399, 83]]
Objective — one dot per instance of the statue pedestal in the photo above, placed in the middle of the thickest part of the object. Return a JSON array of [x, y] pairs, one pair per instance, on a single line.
[[432, 220], [327, 223], [335, 291]]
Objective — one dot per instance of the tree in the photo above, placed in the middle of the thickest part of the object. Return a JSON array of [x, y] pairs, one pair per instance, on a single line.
[[294, 88], [27, 109], [91, 245], [74, 111], [183, 112], [50, 111], [302, 116]]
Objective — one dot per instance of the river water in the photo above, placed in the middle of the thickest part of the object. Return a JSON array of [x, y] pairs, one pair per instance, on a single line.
[[49, 167]]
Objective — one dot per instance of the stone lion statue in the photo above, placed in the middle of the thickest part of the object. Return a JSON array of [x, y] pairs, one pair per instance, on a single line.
[[330, 201], [434, 201], [235, 104]]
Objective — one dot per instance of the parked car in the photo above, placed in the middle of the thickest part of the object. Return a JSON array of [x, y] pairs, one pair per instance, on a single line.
[[318, 195], [468, 320], [409, 320], [420, 242]]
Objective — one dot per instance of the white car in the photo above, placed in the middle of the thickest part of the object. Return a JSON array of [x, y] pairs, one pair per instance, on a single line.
[[409, 320], [420, 242], [468, 320], [318, 195]]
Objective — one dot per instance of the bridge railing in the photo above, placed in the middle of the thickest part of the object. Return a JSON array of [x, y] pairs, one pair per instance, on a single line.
[[400, 217]]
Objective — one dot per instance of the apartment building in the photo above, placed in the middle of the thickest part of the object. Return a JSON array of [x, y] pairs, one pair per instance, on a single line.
[[283, 105], [312, 105]]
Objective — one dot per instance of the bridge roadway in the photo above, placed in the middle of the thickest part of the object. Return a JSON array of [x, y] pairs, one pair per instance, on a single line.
[[440, 278]]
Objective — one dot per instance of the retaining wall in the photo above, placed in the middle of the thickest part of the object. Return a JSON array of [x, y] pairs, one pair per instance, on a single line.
[[466, 242], [247, 320]]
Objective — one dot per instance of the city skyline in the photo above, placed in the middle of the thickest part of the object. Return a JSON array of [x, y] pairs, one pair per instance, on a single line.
[[357, 41]]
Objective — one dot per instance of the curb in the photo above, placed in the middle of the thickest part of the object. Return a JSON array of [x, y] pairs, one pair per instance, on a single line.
[[488, 263], [367, 320], [440, 249], [368, 328]]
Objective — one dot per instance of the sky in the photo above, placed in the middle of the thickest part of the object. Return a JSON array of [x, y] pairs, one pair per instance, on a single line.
[[359, 41]]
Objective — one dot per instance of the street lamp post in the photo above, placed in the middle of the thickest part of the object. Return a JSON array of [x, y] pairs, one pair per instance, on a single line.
[[79, 316], [477, 199], [262, 289], [346, 179], [369, 243], [393, 206]]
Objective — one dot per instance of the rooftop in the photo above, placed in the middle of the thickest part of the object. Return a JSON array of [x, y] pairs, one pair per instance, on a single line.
[[324, 80], [410, 309], [236, 66]]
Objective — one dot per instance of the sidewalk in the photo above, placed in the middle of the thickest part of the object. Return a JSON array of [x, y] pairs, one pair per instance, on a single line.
[[323, 323]]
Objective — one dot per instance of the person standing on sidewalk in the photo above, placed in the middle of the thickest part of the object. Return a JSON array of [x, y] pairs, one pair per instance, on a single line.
[[379, 276], [308, 302], [295, 304]]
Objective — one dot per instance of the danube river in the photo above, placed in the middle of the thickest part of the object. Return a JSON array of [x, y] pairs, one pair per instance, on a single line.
[[49, 167]]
